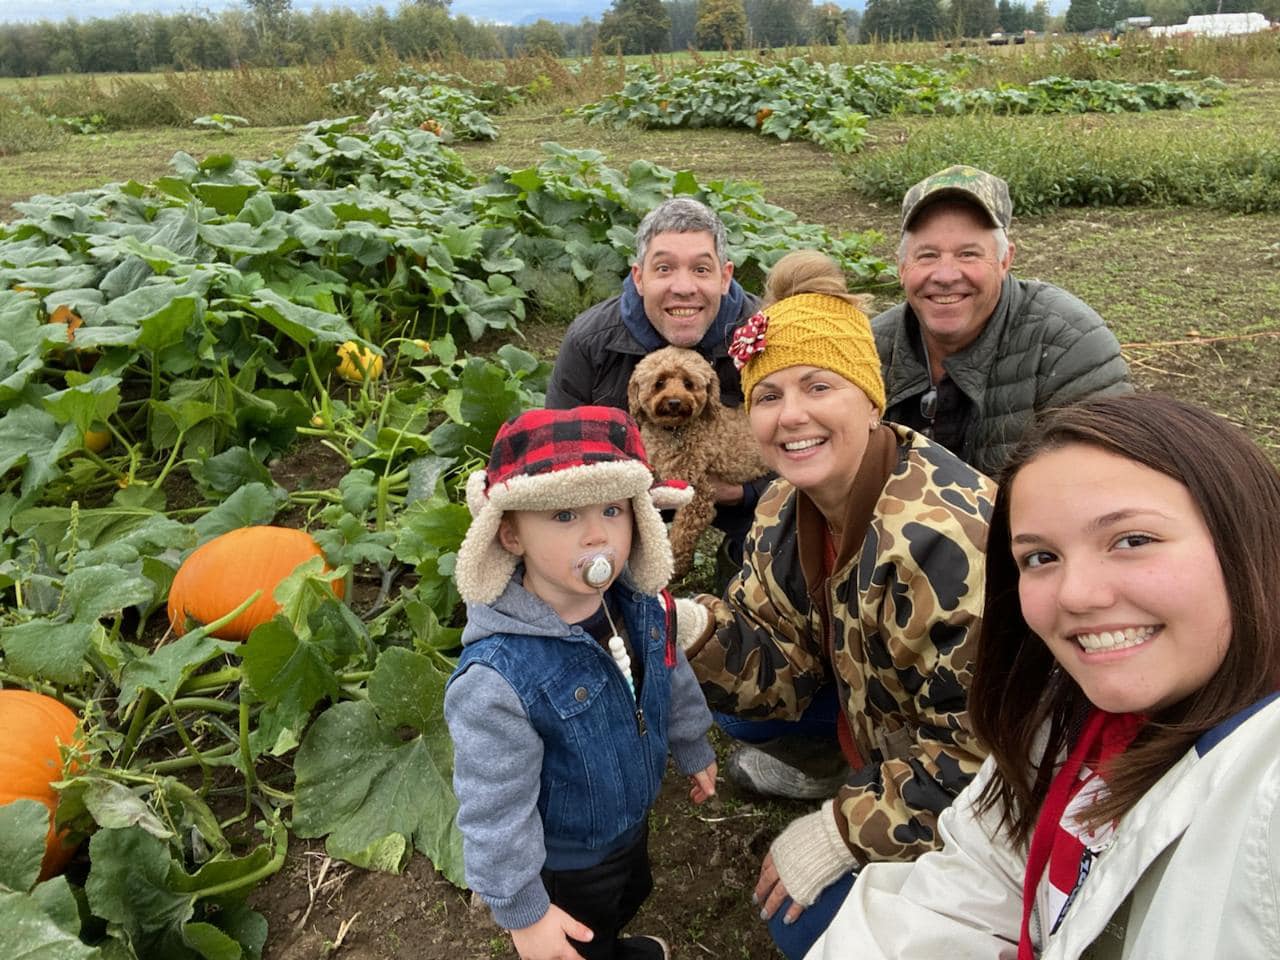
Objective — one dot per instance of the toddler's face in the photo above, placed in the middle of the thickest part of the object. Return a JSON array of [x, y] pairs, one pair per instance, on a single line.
[[556, 545]]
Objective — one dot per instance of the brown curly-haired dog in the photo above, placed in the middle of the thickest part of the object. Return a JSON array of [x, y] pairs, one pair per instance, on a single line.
[[674, 395]]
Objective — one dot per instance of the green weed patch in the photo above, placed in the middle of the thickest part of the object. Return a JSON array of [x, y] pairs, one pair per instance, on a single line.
[[1052, 162]]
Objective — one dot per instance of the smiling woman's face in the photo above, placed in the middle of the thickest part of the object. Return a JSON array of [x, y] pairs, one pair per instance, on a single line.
[[812, 427], [1119, 577]]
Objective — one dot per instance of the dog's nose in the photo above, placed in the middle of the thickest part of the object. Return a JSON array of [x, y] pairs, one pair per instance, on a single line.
[[671, 405]]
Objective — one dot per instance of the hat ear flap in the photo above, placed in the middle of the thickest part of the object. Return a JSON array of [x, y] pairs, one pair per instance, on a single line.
[[483, 567], [650, 564], [476, 498]]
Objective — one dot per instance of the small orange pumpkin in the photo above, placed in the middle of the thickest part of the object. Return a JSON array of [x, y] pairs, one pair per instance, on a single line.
[[431, 126], [31, 727], [97, 440], [65, 314], [220, 575], [763, 114]]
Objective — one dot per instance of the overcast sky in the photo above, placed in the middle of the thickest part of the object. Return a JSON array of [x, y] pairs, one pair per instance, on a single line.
[[31, 10]]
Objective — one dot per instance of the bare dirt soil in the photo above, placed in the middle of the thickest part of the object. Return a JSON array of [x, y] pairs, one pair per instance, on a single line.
[[705, 862]]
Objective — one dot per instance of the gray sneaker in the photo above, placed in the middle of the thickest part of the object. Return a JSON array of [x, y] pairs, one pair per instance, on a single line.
[[642, 948], [752, 769]]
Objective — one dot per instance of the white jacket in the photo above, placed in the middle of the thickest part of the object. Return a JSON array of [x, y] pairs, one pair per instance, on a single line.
[[1193, 870]]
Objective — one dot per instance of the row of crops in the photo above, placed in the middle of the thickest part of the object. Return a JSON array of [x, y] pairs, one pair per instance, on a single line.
[[164, 349], [831, 104]]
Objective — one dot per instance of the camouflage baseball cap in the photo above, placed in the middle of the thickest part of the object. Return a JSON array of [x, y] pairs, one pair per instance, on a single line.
[[963, 183]]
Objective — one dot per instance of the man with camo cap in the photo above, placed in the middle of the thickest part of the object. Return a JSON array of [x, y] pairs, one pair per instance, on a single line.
[[974, 354]]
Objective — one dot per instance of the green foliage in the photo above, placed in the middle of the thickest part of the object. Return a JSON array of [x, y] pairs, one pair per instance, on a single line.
[[831, 103], [722, 25], [1054, 163], [635, 26], [226, 122], [198, 319]]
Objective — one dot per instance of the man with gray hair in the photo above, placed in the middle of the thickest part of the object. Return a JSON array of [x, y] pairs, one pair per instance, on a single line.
[[974, 354], [681, 293]]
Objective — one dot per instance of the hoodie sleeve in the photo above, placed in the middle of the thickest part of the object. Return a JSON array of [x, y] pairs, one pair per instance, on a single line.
[[690, 720], [497, 764]]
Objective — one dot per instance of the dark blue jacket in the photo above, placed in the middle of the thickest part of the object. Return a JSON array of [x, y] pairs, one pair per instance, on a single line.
[[555, 764]]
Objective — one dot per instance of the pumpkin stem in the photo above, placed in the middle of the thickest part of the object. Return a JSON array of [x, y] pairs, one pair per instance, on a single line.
[[206, 772]]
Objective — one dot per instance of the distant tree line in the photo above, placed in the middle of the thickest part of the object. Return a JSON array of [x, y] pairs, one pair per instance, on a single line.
[[271, 32]]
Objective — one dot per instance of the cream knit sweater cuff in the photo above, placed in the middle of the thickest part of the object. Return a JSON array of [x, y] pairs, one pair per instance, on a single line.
[[810, 855]]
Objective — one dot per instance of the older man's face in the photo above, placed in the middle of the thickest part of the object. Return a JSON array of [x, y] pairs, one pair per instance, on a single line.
[[681, 282], [951, 274]]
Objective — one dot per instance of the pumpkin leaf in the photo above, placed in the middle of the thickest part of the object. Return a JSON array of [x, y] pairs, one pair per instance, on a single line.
[[114, 806], [31, 438], [129, 885], [251, 504], [367, 789], [228, 471], [301, 324], [166, 669], [84, 405], [24, 824], [289, 674], [94, 592], [56, 898], [28, 931], [50, 651]]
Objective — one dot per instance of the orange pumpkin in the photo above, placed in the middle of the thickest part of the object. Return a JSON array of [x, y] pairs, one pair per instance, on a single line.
[[220, 575], [97, 440], [31, 727], [65, 314], [431, 126]]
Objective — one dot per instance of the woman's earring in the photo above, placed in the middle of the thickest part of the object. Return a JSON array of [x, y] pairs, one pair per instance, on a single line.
[[874, 425]]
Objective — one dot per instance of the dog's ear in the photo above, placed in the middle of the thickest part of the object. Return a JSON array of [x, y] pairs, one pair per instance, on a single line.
[[712, 405], [634, 404]]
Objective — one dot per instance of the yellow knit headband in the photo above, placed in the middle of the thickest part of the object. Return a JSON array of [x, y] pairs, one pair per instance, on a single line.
[[814, 330]]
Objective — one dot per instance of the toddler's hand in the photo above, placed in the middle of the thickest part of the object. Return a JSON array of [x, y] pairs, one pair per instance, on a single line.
[[704, 784], [548, 938]]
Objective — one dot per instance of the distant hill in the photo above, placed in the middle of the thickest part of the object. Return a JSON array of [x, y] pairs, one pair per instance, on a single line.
[[527, 11]]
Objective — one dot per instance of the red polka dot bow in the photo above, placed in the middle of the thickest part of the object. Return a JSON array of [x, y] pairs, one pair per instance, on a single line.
[[748, 340]]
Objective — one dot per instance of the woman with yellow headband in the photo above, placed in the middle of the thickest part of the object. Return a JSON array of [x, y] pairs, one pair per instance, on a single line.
[[863, 572]]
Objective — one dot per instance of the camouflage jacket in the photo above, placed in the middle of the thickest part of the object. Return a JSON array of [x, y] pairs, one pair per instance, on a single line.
[[905, 611]]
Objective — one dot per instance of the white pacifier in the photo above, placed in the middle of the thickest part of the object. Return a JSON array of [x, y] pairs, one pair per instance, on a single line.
[[598, 571]]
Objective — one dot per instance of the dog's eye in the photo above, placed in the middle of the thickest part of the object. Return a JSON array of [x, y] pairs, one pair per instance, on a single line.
[[660, 383], [688, 384]]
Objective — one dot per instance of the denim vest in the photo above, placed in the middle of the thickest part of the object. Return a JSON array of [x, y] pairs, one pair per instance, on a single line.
[[604, 755]]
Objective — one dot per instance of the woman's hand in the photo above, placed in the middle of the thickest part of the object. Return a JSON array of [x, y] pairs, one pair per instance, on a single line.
[[811, 854], [704, 784], [770, 892], [548, 938]]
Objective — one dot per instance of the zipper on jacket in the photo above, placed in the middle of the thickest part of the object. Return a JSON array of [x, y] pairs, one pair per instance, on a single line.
[[641, 726]]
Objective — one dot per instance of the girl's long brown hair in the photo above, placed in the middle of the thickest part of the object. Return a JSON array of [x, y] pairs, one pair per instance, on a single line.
[[1018, 689]]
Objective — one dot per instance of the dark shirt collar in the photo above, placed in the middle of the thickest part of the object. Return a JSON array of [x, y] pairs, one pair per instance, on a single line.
[[713, 343]]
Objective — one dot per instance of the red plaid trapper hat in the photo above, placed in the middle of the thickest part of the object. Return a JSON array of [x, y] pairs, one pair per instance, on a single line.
[[556, 460], [543, 441]]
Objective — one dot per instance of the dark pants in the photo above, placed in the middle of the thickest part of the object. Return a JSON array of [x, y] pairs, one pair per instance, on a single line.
[[604, 897], [794, 940], [818, 722]]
